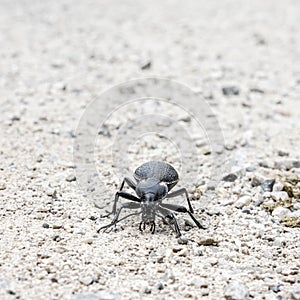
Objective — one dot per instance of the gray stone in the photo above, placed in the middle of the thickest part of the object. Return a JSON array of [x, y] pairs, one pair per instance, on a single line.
[[236, 291], [283, 153], [267, 185], [230, 90], [145, 65], [230, 177], [182, 241], [160, 286], [71, 178]]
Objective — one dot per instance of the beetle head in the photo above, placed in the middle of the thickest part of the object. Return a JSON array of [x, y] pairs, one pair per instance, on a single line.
[[149, 206]]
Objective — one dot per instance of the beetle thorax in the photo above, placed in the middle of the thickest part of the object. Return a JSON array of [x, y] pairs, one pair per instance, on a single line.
[[152, 187]]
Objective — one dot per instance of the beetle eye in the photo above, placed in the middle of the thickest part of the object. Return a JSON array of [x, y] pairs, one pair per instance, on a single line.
[[162, 191]]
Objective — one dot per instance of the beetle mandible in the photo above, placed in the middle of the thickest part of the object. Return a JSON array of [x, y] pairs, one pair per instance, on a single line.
[[154, 181]]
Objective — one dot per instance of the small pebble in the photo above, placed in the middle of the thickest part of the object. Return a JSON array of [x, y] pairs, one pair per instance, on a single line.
[[50, 192], [183, 253], [71, 178], [15, 118], [57, 226], [278, 186], [182, 241], [213, 211], [246, 210], [43, 209], [282, 153], [213, 261], [279, 242], [294, 214], [177, 249], [295, 293], [280, 196], [199, 282], [280, 212], [250, 169], [236, 291], [103, 295], [4, 283], [257, 179], [87, 280], [205, 292], [230, 90], [2, 185], [56, 238], [267, 185], [89, 241], [146, 65], [207, 242], [257, 90], [230, 177], [275, 288], [45, 225], [243, 201], [199, 252]]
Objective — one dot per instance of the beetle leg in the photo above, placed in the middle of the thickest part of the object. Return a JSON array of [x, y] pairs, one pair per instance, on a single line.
[[142, 226], [152, 228], [122, 194], [181, 192], [179, 208], [129, 205], [109, 225], [130, 182], [169, 214]]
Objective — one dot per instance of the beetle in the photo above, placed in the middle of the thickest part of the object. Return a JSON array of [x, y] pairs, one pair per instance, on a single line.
[[154, 181]]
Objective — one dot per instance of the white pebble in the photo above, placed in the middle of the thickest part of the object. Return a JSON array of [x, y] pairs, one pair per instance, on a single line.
[[243, 201], [277, 187], [236, 291], [280, 212], [2, 185], [277, 196]]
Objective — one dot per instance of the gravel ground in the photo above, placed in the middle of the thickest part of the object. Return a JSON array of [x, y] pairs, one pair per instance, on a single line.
[[241, 57]]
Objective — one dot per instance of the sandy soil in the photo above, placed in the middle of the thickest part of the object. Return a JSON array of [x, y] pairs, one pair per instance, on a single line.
[[241, 59]]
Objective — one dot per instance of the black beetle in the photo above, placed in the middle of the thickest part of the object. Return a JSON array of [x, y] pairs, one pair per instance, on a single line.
[[154, 180]]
